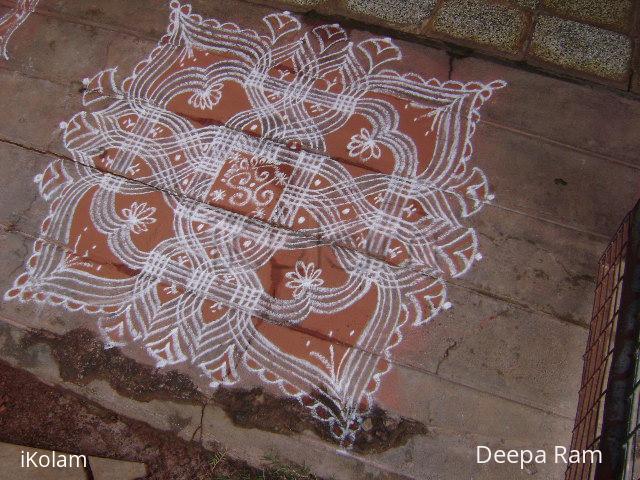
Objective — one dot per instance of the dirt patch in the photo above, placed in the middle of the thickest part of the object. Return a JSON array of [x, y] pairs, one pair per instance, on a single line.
[[41, 416], [82, 358]]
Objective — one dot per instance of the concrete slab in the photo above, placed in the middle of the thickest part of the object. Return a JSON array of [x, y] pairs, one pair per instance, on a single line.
[[545, 180], [40, 49], [32, 124], [488, 346], [26, 463], [466, 417], [548, 110], [110, 469], [552, 252], [12, 17]]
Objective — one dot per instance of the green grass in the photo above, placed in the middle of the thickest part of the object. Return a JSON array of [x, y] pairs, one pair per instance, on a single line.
[[215, 460], [274, 469], [282, 471]]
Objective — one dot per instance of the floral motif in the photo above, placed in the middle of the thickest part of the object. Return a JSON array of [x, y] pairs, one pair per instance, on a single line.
[[207, 97], [281, 177], [138, 217], [305, 277], [364, 146], [218, 195]]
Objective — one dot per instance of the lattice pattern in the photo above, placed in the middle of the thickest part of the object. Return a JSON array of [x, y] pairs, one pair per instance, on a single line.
[[277, 203]]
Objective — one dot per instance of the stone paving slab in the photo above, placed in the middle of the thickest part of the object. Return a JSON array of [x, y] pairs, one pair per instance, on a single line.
[[487, 345], [412, 12], [506, 348], [13, 459], [552, 251], [109, 469], [614, 14], [77, 52], [555, 111], [545, 180], [583, 48], [527, 121], [458, 417], [494, 25], [510, 25], [475, 320], [507, 29]]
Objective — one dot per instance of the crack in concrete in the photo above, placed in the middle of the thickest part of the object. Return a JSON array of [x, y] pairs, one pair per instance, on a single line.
[[573, 278], [200, 427], [448, 350]]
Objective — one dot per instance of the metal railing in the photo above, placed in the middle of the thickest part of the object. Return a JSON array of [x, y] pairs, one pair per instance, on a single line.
[[607, 417]]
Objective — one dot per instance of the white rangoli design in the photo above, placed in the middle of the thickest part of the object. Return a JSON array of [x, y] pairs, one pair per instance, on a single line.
[[276, 204], [10, 21]]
